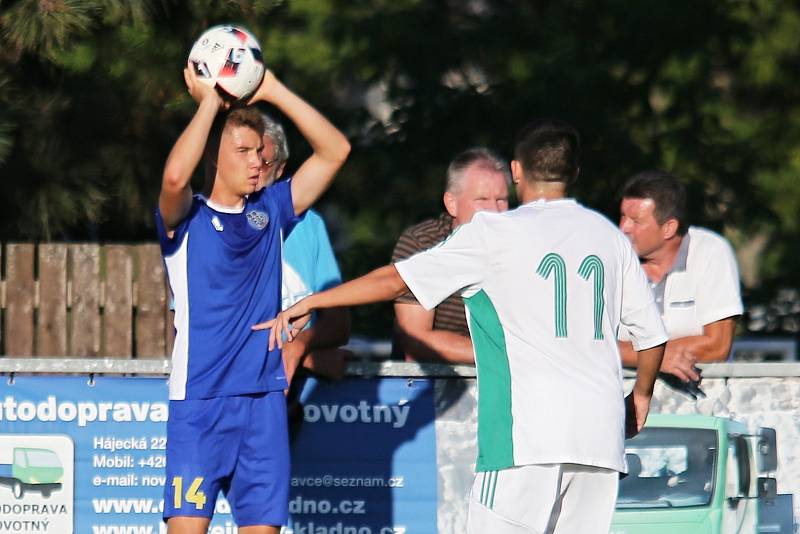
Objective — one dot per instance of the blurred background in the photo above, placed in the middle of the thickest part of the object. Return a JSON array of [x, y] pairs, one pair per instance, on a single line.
[[92, 98]]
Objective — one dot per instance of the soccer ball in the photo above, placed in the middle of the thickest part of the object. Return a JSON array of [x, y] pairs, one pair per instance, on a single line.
[[229, 59]]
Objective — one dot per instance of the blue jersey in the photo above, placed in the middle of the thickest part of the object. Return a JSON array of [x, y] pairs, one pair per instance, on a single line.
[[224, 269], [309, 265]]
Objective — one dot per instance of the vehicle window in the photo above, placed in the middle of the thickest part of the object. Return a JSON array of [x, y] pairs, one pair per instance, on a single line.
[[742, 464], [732, 471], [42, 458], [19, 458], [669, 467]]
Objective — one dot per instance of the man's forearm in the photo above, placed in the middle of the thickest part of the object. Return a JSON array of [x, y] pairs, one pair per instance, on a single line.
[[330, 329], [628, 355], [188, 149], [183, 160], [325, 139], [713, 345], [437, 346], [649, 361], [704, 348], [316, 348], [379, 285], [330, 147]]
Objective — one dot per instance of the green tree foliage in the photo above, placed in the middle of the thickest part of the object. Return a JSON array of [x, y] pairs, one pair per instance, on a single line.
[[91, 98]]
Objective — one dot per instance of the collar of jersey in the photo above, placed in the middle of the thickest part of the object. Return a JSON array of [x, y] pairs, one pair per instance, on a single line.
[[551, 202], [220, 208]]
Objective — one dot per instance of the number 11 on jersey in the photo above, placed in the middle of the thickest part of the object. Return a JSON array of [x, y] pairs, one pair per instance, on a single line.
[[553, 265]]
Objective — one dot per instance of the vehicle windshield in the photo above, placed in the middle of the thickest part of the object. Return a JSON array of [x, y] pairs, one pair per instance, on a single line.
[[669, 467], [42, 458]]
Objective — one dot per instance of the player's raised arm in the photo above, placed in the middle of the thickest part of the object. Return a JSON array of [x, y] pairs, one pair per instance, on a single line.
[[175, 198], [329, 144]]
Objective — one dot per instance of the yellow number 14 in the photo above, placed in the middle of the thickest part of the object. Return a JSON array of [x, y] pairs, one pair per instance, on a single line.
[[198, 498]]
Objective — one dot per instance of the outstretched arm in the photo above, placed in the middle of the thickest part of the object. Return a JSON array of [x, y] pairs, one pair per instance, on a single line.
[[175, 198], [330, 146], [384, 283]]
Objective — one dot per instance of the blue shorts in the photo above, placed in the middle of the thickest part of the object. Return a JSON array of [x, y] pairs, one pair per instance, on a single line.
[[239, 445]]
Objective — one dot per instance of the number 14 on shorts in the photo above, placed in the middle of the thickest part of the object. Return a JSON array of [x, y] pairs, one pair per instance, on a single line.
[[193, 493]]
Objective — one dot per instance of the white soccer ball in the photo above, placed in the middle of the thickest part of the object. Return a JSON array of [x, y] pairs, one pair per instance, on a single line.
[[229, 59]]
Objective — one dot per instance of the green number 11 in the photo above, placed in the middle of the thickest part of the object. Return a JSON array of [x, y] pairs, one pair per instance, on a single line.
[[591, 267]]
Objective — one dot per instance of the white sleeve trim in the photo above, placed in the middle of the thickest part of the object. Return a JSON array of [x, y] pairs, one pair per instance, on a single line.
[[425, 301], [721, 313]]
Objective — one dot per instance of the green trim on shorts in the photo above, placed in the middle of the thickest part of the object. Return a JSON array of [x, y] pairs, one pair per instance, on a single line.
[[495, 441], [488, 488]]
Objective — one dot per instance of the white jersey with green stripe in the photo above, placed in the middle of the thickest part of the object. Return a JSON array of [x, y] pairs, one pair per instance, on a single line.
[[546, 287]]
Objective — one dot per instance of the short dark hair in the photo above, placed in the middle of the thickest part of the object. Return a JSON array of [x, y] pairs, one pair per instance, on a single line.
[[247, 116], [665, 190], [548, 151]]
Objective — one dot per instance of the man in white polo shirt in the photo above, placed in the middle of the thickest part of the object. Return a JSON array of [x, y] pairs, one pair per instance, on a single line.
[[546, 287], [692, 272]]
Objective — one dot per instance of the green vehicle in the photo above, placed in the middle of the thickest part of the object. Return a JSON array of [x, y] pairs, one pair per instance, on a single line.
[[700, 475], [33, 469]]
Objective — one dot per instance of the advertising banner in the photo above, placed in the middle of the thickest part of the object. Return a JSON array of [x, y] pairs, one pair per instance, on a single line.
[[88, 457], [364, 458]]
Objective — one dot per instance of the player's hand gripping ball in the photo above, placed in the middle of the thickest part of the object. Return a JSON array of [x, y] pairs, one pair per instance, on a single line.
[[229, 59]]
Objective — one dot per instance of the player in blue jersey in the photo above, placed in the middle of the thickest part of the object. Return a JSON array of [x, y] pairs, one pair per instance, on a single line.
[[227, 426]]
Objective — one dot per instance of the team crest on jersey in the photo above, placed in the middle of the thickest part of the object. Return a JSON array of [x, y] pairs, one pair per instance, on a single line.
[[257, 219]]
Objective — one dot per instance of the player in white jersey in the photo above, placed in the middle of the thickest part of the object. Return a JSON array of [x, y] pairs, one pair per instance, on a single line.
[[545, 286]]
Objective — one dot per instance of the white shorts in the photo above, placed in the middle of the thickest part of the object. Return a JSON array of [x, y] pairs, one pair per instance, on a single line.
[[543, 499]]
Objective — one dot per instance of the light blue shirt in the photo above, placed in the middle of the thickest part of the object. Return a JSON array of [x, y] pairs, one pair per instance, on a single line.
[[309, 265]]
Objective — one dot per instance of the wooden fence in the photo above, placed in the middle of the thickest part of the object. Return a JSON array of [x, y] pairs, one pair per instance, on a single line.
[[84, 300]]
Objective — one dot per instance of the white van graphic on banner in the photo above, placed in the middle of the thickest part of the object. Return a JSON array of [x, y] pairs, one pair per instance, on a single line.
[[36, 484]]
